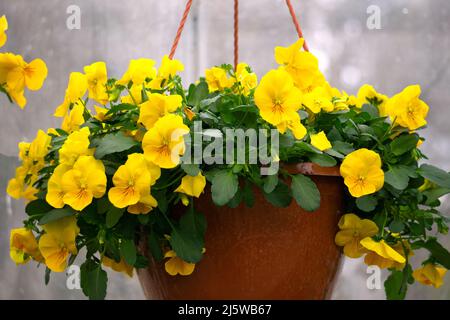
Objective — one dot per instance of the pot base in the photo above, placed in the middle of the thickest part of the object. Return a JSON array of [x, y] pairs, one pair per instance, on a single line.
[[261, 252]]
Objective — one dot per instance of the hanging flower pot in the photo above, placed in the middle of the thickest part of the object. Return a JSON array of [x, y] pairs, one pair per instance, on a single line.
[[260, 252]]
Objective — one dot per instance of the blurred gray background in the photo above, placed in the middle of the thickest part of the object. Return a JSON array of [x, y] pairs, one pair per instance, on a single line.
[[411, 46]]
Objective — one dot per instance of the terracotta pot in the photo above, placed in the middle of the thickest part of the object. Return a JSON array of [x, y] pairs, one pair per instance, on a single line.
[[261, 252]]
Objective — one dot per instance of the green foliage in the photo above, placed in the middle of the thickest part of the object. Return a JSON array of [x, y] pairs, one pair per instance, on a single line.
[[93, 280], [113, 143], [56, 214], [305, 192], [224, 186]]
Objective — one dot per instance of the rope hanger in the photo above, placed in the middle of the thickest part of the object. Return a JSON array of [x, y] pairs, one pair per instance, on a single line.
[[236, 28]]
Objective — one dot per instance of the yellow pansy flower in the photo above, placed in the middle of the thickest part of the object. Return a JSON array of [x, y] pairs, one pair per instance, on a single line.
[[18, 189], [297, 128], [131, 182], [30, 75], [97, 76], [366, 94], [147, 202], [23, 246], [189, 113], [87, 180], [134, 96], [16, 75], [317, 100], [247, 80], [217, 79], [169, 67], [138, 71], [164, 143], [320, 141], [353, 230], [74, 119], [176, 265], [430, 275], [55, 192], [157, 106], [3, 28], [362, 172], [301, 65], [277, 98], [100, 113], [76, 89], [382, 249], [167, 71], [192, 186], [32, 156], [58, 242], [145, 205], [373, 258], [406, 108], [76, 145], [121, 266], [39, 146]]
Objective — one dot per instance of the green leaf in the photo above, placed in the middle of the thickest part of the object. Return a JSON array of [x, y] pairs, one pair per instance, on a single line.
[[248, 195], [366, 203], [38, 207], [93, 280], [435, 175], [194, 223], [236, 200], [371, 110], [438, 252], [343, 147], [128, 251], [396, 284], [224, 186], [56, 214], [197, 93], [305, 192], [103, 205], [323, 160], [280, 196], [270, 183], [113, 216], [186, 246], [112, 143], [191, 169], [396, 226], [47, 275], [432, 195], [404, 143], [121, 107], [397, 177], [154, 246], [334, 153]]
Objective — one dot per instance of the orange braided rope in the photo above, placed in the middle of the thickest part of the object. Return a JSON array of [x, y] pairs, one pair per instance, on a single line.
[[180, 29], [296, 23], [236, 33]]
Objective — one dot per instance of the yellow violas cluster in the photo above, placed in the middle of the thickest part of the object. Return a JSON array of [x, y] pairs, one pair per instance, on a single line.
[[16, 74], [405, 109], [299, 84], [32, 157], [362, 172], [356, 237], [54, 247], [79, 177], [242, 80]]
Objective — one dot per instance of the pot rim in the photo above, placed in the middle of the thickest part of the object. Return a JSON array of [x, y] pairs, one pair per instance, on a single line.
[[311, 169]]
